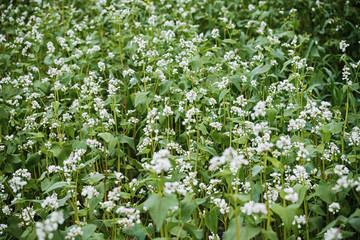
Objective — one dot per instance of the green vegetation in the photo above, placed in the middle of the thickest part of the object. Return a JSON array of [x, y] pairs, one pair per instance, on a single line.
[[179, 119]]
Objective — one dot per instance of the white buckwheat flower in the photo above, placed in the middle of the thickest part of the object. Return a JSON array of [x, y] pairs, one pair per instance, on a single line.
[[230, 156], [224, 208], [160, 161], [333, 234], [215, 33], [50, 201], [355, 137], [191, 96], [75, 231], [2, 228], [89, 192], [216, 125], [334, 207], [299, 220], [341, 170], [44, 230], [291, 195], [19, 180], [343, 45], [259, 110], [251, 207], [167, 111]]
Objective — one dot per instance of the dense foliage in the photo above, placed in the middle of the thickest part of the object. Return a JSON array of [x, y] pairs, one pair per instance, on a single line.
[[179, 119]]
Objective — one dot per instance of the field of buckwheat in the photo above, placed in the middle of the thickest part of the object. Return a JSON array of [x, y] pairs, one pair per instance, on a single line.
[[179, 119]]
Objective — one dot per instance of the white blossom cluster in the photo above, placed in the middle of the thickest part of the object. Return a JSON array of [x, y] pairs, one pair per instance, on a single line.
[[44, 230], [19, 179], [251, 208], [74, 232], [132, 216], [231, 157], [160, 162]]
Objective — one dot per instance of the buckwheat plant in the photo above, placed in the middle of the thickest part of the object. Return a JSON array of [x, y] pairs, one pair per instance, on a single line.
[[205, 119]]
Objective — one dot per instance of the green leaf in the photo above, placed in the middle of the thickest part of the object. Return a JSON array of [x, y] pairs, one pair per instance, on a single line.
[[4, 59], [13, 226], [56, 186], [64, 153], [324, 192], [246, 232], [29, 234], [316, 223], [159, 206], [3, 113], [88, 231], [140, 98], [42, 176], [164, 87], [317, 209], [137, 231], [14, 158], [9, 91], [315, 52], [319, 148], [354, 87], [285, 65], [109, 139], [286, 214], [259, 70], [195, 233], [231, 41], [195, 63], [61, 153], [352, 158], [70, 130], [56, 149], [223, 94], [94, 202], [217, 137], [332, 224], [32, 160], [334, 127], [355, 214], [177, 230], [200, 201], [301, 191], [129, 140], [269, 234], [355, 223], [38, 135], [203, 129], [276, 163], [106, 136], [236, 80], [207, 149], [271, 113], [94, 178], [48, 60], [187, 207], [243, 197], [211, 220], [326, 135], [256, 191], [256, 170], [76, 144]]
